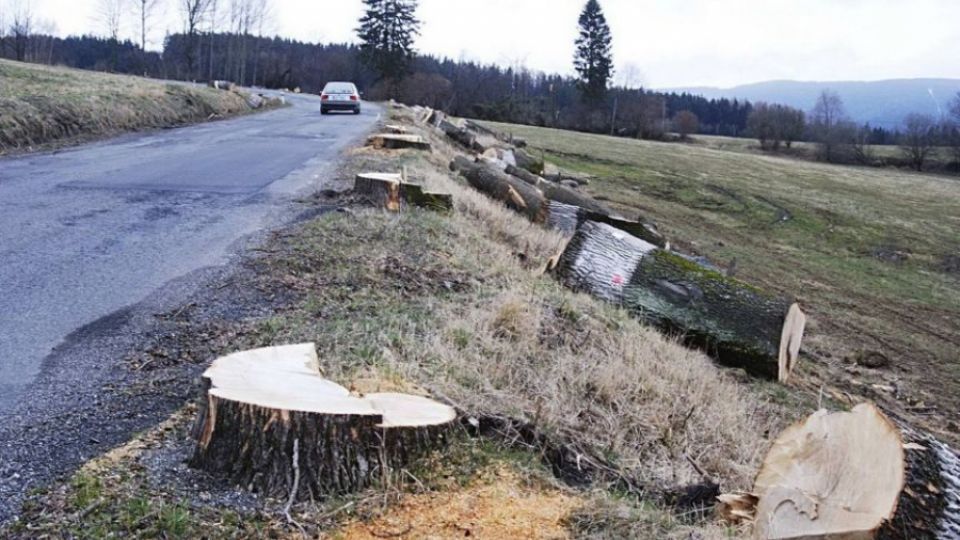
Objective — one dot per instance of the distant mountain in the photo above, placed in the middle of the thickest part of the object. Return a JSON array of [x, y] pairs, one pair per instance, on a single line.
[[881, 103]]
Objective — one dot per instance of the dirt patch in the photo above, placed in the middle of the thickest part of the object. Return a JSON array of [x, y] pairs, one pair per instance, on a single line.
[[891, 254], [499, 504]]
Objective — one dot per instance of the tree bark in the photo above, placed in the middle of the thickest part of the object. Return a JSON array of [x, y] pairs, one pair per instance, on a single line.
[[267, 409], [461, 136], [515, 193], [737, 324], [389, 191]]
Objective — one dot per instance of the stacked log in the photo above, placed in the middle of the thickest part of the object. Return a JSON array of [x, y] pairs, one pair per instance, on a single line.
[[515, 193], [272, 424], [736, 323], [392, 192], [853, 475]]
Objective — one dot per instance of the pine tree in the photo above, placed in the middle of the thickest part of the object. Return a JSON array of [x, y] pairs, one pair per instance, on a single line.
[[386, 32], [594, 59]]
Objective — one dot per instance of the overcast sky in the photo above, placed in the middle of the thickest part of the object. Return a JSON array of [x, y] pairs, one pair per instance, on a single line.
[[659, 43]]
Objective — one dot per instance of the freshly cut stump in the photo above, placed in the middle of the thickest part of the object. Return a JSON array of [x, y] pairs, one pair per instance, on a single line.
[[395, 141], [736, 323], [390, 191], [857, 475], [272, 424]]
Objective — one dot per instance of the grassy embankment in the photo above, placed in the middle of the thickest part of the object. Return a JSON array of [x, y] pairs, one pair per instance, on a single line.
[[456, 306], [872, 254], [43, 106]]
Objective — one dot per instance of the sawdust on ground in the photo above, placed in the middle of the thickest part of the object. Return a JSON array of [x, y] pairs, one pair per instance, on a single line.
[[498, 505]]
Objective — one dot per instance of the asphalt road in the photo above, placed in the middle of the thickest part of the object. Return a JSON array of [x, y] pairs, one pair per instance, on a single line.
[[91, 230]]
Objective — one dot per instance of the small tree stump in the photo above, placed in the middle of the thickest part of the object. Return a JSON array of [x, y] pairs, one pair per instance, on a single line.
[[391, 192], [395, 141], [268, 413]]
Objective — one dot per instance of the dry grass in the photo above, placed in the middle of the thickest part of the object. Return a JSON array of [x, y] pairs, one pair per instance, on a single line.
[[866, 251], [41, 105]]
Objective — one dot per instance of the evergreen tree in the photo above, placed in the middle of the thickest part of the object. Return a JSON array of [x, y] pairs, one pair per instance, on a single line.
[[594, 60], [386, 33]]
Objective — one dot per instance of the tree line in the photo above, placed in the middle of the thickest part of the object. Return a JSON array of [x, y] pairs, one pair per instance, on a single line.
[[228, 39]]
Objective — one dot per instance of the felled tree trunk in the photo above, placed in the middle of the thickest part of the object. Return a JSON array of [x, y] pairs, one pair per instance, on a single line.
[[398, 141], [391, 192], [515, 193], [461, 136], [528, 162], [525, 175], [853, 475], [739, 325], [568, 218], [270, 423]]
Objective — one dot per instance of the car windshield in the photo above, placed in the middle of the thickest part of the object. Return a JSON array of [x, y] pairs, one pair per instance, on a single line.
[[339, 88]]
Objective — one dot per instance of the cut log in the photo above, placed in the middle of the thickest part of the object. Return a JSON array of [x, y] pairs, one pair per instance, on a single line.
[[567, 218], [222, 85], [395, 129], [563, 194], [736, 323], [254, 101], [515, 193], [528, 162], [461, 136], [525, 175], [396, 141], [855, 475], [268, 413], [435, 118], [389, 191]]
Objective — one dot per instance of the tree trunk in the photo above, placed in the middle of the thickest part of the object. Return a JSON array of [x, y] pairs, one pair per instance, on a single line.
[[568, 218], [271, 424], [854, 475], [461, 136], [515, 193], [391, 192], [739, 325]]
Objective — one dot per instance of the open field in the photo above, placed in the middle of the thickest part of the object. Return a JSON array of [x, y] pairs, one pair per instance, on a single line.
[[873, 255], [889, 155], [41, 105]]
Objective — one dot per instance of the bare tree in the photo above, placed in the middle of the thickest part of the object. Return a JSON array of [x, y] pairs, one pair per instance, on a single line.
[[686, 123], [952, 131], [110, 14], [194, 13], [918, 139], [775, 125], [145, 11], [830, 126], [862, 149], [21, 28]]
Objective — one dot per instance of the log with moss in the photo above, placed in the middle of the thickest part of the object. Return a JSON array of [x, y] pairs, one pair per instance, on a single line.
[[851, 475], [391, 192], [515, 193], [737, 324], [272, 424]]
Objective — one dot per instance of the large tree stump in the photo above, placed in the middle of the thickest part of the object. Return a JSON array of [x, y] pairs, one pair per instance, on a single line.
[[568, 218], [390, 191], [270, 423], [853, 475], [736, 323], [515, 193]]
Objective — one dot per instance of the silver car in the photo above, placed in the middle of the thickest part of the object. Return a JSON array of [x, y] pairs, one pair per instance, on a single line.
[[340, 96]]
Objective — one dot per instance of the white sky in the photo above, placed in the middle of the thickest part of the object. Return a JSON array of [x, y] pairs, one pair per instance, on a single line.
[[668, 42]]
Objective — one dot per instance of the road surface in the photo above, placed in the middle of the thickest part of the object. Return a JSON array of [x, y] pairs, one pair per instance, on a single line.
[[87, 232]]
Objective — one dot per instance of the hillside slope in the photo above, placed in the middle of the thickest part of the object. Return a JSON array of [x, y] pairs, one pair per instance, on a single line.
[[41, 105], [880, 103]]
